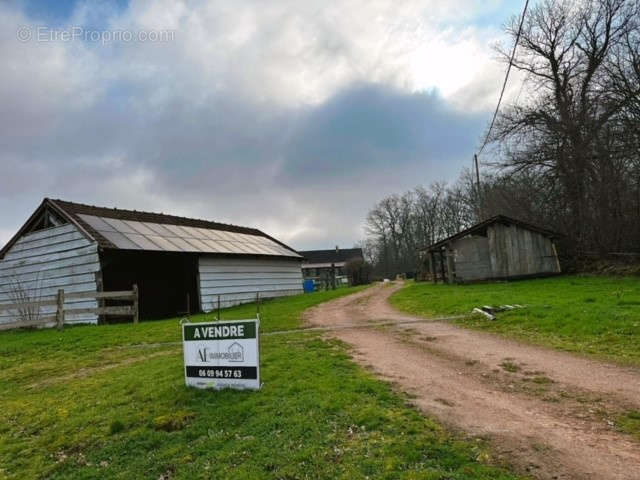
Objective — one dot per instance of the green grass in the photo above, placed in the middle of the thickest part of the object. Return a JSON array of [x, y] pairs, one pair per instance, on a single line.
[[629, 422], [110, 402], [509, 366], [587, 314]]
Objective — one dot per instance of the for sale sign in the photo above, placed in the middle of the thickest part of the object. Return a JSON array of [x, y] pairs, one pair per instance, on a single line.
[[222, 354]]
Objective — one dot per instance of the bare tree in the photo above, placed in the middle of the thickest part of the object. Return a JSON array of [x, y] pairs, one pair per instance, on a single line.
[[578, 57], [399, 225], [27, 295], [566, 158]]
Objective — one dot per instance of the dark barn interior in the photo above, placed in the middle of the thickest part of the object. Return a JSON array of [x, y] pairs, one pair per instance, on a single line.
[[166, 280]]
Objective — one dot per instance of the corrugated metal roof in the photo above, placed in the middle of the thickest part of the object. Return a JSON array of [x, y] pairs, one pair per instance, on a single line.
[[115, 228], [135, 235]]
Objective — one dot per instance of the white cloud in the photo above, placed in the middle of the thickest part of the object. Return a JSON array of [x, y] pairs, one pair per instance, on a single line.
[[293, 53]]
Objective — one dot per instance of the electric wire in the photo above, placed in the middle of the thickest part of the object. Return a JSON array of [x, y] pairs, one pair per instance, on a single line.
[[506, 77]]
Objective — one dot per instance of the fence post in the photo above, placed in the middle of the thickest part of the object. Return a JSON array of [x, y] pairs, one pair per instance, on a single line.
[[60, 309], [258, 303], [101, 302], [333, 276], [135, 303]]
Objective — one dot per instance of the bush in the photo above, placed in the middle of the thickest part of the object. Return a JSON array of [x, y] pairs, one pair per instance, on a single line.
[[358, 271]]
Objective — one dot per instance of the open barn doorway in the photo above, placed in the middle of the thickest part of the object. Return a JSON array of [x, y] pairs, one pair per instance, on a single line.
[[166, 280]]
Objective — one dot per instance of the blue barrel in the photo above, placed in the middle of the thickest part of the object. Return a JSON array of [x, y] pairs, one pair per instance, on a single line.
[[308, 286]]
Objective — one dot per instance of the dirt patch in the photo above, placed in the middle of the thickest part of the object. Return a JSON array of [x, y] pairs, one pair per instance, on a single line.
[[547, 412]]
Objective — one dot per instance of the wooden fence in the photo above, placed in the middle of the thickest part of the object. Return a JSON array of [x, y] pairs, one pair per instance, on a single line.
[[61, 311]]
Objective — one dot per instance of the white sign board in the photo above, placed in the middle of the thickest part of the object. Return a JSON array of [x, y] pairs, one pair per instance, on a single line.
[[222, 354]]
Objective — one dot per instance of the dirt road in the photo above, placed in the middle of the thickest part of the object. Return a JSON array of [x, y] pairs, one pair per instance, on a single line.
[[549, 413]]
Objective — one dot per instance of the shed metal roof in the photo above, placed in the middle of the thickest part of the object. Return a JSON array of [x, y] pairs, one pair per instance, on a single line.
[[490, 221], [114, 228]]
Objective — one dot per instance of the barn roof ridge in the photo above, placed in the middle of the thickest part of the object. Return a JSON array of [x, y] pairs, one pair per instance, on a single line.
[[490, 221], [166, 218]]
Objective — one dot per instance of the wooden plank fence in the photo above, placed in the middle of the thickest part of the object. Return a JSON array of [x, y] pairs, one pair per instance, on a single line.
[[61, 311]]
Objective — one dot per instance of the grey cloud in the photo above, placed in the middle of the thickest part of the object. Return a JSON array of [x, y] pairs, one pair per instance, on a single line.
[[309, 175], [371, 127]]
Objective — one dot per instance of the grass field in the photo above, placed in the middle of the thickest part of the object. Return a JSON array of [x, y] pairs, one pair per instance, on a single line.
[[110, 402], [587, 314]]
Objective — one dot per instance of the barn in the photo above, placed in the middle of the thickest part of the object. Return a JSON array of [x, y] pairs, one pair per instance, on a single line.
[[178, 264], [497, 249]]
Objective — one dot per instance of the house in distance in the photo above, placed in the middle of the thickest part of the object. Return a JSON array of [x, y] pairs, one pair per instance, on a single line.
[[498, 248], [173, 260], [320, 264]]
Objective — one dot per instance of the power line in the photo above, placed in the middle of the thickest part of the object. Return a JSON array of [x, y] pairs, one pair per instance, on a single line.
[[506, 77]]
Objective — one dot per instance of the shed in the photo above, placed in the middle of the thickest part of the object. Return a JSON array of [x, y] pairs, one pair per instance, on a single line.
[[173, 260], [497, 248]]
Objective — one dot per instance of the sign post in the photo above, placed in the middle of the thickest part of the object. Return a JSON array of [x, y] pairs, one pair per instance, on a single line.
[[222, 354]]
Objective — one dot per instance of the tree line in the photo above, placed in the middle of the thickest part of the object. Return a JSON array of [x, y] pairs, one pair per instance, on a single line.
[[565, 155]]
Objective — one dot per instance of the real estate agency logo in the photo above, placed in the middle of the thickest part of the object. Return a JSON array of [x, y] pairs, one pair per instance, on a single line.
[[234, 353]]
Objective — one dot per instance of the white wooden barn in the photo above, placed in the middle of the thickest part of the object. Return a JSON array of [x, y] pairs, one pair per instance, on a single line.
[[173, 260]]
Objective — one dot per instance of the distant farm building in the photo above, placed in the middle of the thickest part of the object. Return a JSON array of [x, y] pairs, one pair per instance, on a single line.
[[319, 264], [498, 248], [179, 264]]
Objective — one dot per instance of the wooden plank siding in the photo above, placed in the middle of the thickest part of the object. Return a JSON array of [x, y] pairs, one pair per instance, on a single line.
[[516, 251], [471, 258], [237, 280], [47, 260], [506, 251]]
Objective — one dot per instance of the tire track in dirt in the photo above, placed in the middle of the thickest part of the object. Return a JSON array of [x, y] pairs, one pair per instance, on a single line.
[[459, 376]]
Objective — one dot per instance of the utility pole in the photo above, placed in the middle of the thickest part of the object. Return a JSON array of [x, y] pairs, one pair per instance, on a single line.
[[495, 113]]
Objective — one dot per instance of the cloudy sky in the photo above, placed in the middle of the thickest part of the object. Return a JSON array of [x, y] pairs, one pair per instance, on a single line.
[[293, 117]]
